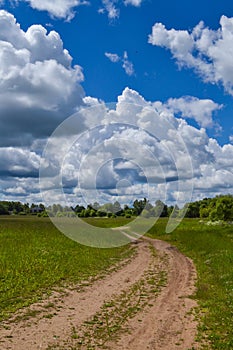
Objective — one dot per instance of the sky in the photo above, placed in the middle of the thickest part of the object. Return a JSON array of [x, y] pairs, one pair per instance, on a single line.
[[151, 83]]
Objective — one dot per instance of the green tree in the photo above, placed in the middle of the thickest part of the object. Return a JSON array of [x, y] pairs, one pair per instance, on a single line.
[[117, 208], [193, 210], [139, 205], [3, 209]]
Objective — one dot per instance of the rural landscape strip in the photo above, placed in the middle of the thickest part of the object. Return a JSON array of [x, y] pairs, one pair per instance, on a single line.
[[145, 304], [73, 306]]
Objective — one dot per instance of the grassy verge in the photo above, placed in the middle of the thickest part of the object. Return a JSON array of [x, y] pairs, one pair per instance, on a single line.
[[211, 248], [35, 257]]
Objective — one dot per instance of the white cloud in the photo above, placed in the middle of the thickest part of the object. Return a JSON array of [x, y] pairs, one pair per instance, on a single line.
[[136, 150], [126, 64], [200, 110], [60, 8], [39, 87], [208, 52], [112, 11], [18, 162], [111, 7], [135, 3], [113, 57]]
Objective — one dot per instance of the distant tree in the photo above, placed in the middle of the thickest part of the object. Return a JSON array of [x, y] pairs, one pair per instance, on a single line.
[[117, 208], [193, 210], [93, 213], [100, 213], [204, 212], [217, 208], [79, 208], [3, 209], [224, 209], [160, 209], [42, 207], [146, 213], [107, 208], [95, 206], [170, 210], [139, 205]]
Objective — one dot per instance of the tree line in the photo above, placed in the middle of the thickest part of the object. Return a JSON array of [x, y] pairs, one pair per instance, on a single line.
[[16, 208], [214, 209]]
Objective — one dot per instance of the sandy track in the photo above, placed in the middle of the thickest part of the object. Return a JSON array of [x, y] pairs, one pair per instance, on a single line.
[[168, 325], [72, 308], [164, 325]]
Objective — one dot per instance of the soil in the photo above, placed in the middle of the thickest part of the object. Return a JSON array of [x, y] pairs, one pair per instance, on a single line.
[[166, 322]]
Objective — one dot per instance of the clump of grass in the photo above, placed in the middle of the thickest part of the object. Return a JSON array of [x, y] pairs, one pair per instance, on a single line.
[[211, 248], [35, 257]]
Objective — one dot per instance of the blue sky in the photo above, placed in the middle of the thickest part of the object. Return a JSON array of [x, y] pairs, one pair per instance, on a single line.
[[156, 50], [157, 77]]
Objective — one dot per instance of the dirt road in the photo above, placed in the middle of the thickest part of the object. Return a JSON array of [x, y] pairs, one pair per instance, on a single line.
[[144, 305]]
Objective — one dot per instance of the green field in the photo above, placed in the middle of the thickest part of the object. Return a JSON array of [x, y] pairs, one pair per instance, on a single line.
[[211, 248], [35, 257]]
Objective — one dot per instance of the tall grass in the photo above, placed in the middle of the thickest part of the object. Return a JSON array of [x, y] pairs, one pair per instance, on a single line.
[[211, 248], [35, 257]]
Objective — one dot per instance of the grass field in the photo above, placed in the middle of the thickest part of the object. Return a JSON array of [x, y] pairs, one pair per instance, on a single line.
[[35, 257], [211, 248]]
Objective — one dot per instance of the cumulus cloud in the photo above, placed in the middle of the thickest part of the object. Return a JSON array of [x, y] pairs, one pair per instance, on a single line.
[[139, 150], [208, 52], [201, 110], [18, 162], [126, 64], [39, 86], [60, 8]]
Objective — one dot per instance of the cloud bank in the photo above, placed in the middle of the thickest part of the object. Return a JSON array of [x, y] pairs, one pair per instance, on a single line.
[[39, 86], [138, 149]]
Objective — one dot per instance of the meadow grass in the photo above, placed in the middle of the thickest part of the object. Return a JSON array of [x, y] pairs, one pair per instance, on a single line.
[[109, 222], [211, 248], [35, 257]]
